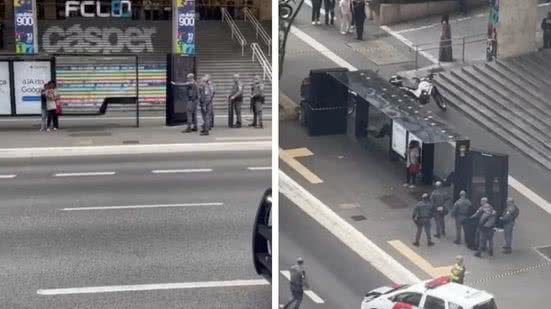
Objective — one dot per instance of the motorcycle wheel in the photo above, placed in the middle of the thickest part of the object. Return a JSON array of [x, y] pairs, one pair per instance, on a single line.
[[440, 101]]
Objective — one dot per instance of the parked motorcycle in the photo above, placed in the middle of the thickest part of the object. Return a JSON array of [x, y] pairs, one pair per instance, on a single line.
[[423, 90]]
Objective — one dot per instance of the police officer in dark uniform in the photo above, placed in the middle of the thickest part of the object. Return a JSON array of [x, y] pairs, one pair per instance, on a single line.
[[439, 199], [298, 283], [422, 214], [487, 220], [508, 218], [461, 210], [192, 94]]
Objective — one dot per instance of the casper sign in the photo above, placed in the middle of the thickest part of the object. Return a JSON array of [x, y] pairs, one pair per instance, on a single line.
[[119, 8], [76, 39]]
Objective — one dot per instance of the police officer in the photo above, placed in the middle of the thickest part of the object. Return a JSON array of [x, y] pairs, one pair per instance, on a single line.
[[508, 218], [487, 220], [422, 214], [236, 100], [297, 285], [206, 95], [458, 270], [546, 27], [461, 210], [192, 94], [257, 100], [439, 197]]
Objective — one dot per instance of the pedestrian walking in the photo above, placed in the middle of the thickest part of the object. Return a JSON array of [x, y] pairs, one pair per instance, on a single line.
[[359, 17], [461, 210], [298, 283], [54, 109], [413, 165], [346, 16], [316, 11], [44, 107], [546, 28], [422, 214], [206, 96], [445, 54], [487, 220], [236, 101], [257, 101], [458, 270], [508, 218], [439, 199], [329, 6]]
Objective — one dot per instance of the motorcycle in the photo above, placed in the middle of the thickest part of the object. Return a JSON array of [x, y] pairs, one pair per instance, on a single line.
[[423, 90]]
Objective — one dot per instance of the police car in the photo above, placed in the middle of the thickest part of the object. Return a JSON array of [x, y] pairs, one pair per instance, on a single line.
[[437, 293]]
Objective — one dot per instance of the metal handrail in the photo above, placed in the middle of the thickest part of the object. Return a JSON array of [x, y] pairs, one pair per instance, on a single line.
[[260, 31], [258, 55], [463, 42], [235, 32]]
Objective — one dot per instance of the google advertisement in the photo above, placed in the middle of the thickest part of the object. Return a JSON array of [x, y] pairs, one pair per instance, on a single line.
[[29, 78]]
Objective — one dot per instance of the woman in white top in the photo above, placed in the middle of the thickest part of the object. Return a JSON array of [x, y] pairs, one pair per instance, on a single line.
[[346, 15]]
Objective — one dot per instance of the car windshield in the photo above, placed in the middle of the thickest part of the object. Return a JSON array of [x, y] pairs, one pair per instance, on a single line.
[[491, 304]]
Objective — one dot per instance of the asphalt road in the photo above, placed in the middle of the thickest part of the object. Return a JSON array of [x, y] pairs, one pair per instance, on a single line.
[[202, 235], [336, 274]]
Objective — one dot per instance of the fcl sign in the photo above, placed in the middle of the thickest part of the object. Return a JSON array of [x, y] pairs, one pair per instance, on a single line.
[[119, 8]]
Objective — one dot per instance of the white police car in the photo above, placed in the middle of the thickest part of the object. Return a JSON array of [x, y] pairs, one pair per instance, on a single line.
[[437, 293]]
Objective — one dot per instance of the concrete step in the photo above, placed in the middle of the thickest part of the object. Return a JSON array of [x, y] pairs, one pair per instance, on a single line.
[[493, 122]]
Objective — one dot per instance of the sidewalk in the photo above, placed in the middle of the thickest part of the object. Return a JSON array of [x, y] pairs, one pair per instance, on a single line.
[[365, 189], [120, 129]]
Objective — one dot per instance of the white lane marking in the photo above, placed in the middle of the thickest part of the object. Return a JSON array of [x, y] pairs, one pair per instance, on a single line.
[[313, 296], [409, 43], [143, 206], [153, 287], [194, 170], [322, 49], [529, 194], [43, 152], [259, 168], [84, 174], [7, 176], [244, 138], [344, 231]]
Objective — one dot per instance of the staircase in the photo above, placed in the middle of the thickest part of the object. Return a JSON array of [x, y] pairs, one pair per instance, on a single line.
[[511, 98], [220, 56]]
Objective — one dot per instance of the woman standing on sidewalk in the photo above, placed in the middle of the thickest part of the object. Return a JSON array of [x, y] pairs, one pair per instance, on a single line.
[[413, 165], [53, 106], [346, 16], [446, 41]]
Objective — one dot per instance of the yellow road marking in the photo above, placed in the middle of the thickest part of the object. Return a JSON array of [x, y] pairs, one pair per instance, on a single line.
[[419, 261], [289, 156]]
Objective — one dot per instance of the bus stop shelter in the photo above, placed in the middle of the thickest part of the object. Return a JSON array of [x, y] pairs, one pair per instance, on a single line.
[[383, 116]]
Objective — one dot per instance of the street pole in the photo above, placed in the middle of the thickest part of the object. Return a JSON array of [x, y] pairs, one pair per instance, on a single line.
[[288, 10]]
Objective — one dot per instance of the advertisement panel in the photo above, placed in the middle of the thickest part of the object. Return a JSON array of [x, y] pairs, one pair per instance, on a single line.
[[5, 97], [185, 10], [24, 26], [399, 136], [29, 78]]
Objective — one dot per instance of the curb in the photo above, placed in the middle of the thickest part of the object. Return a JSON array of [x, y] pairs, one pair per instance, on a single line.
[[51, 152]]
